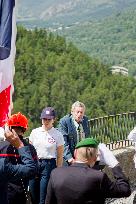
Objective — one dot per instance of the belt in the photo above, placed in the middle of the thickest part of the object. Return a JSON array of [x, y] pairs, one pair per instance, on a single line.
[[51, 159]]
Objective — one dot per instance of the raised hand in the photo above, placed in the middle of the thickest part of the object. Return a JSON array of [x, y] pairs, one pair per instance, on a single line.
[[13, 138], [107, 156]]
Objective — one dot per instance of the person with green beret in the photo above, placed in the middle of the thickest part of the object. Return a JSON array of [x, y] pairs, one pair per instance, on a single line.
[[80, 183], [88, 142]]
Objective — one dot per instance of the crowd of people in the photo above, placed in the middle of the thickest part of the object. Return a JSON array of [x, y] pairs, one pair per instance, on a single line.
[[57, 165]]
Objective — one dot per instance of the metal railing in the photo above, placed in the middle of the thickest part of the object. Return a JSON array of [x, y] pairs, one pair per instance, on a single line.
[[113, 129]]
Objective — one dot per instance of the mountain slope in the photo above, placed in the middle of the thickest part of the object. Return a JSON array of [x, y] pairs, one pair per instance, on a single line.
[[69, 12], [112, 40], [90, 25]]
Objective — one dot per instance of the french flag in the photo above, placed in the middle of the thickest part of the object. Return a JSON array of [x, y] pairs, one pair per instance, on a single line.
[[7, 56]]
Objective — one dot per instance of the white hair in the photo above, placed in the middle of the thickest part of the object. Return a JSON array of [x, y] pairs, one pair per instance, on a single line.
[[77, 104]]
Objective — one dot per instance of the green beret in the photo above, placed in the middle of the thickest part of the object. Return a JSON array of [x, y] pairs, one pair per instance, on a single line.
[[88, 142]]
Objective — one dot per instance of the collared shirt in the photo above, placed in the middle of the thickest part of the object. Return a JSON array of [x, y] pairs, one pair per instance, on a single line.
[[46, 142], [79, 129]]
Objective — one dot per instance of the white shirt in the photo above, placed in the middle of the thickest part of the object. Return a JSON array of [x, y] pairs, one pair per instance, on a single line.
[[46, 142], [132, 137]]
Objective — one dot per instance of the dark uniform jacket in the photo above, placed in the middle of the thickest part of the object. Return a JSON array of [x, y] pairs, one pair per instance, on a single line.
[[17, 189], [68, 130], [79, 184], [9, 172]]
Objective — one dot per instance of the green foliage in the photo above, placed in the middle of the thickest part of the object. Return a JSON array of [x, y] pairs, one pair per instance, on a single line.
[[112, 40], [51, 72], [113, 128], [58, 13]]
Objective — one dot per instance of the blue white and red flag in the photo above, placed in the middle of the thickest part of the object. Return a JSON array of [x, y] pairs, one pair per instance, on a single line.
[[7, 56]]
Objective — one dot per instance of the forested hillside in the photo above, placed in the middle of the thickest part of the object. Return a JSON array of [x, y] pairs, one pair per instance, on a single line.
[[51, 72], [112, 40], [54, 13]]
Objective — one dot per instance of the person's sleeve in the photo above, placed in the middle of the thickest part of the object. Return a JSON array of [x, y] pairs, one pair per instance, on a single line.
[[28, 169], [64, 130], [62, 127], [33, 152], [118, 188], [50, 196], [132, 135], [60, 139], [31, 137]]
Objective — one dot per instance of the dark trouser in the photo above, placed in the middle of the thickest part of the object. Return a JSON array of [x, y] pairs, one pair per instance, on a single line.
[[38, 186], [34, 187], [16, 194]]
